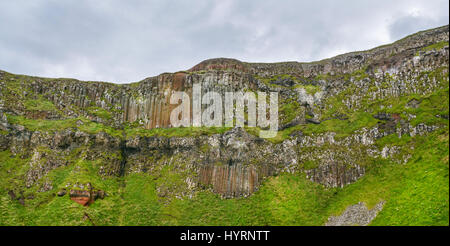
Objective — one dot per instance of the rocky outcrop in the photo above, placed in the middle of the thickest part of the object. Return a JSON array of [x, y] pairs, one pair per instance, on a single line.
[[356, 215], [232, 164]]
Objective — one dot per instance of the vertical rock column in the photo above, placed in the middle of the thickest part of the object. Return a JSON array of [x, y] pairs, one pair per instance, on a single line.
[[232, 180]]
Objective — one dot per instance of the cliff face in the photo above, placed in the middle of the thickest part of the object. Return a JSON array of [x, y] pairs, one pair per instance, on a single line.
[[332, 113]]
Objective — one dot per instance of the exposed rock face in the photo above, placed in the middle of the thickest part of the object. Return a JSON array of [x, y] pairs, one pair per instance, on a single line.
[[232, 180], [356, 215], [85, 197], [82, 197], [231, 163], [335, 175]]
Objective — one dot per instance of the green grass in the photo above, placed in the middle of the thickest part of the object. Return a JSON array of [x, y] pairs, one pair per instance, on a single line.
[[94, 128], [289, 109], [343, 128], [142, 206], [310, 89], [41, 125], [40, 104], [58, 125], [100, 112], [436, 46], [175, 132], [423, 192]]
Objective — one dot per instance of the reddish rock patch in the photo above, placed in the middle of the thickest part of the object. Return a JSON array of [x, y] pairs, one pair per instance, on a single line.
[[82, 197], [85, 197]]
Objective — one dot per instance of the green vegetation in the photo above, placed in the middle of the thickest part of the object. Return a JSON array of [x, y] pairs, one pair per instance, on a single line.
[[343, 128], [436, 46], [41, 125], [175, 132], [57, 125], [94, 127], [100, 112], [40, 104], [289, 109], [91, 127], [310, 89]]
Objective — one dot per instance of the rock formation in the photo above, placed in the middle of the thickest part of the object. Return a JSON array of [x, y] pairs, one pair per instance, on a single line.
[[123, 129]]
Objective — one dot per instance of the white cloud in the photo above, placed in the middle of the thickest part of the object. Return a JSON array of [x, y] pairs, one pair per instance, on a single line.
[[122, 41]]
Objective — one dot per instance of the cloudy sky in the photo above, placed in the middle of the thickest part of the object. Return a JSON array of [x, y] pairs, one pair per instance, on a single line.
[[125, 41]]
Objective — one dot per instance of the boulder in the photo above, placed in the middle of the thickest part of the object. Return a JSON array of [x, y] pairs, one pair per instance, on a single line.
[[86, 197], [62, 192]]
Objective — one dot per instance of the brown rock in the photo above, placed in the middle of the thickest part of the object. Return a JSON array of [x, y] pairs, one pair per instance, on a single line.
[[97, 194], [82, 197], [85, 197], [101, 194]]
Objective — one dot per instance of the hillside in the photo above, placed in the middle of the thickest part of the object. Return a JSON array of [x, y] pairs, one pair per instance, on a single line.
[[363, 139]]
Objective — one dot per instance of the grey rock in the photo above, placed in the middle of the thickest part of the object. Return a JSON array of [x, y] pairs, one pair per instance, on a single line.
[[356, 215]]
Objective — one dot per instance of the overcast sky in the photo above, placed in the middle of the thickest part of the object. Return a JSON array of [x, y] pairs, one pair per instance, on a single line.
[[125, 41]]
